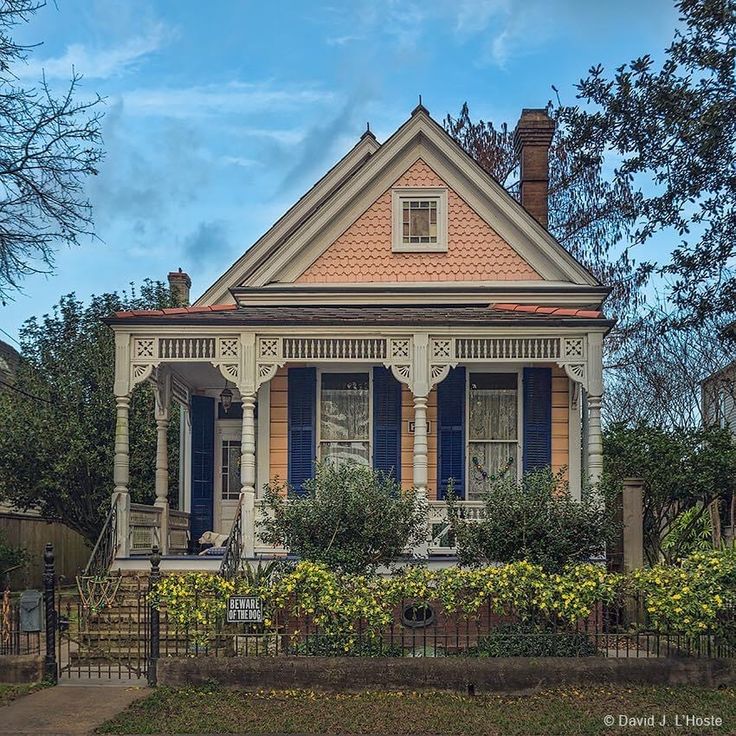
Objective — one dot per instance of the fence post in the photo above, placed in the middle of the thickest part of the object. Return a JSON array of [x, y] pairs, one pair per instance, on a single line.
[[155, 643], [50, 669]]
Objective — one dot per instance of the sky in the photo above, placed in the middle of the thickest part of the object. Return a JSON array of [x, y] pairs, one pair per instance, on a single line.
[[219, 115]]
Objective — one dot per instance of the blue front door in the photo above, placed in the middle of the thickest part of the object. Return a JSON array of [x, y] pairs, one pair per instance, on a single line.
[[203, 465]]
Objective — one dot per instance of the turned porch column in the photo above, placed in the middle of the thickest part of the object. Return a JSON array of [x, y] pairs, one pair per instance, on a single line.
[[248, 473], [420, 444], [121, 460], [595, 395], [163, 398]]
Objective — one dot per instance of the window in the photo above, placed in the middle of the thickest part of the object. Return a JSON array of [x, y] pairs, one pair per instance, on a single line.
[[344, 426], [230, 470], [419, 220], [492, 427]]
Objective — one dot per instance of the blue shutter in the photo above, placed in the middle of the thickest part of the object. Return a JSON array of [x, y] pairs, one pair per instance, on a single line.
[[386, 422], [302, 404], [203, 465], [537, 439], [451, 433]]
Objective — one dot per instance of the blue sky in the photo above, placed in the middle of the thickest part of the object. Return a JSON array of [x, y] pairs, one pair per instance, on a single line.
[[219, 115]]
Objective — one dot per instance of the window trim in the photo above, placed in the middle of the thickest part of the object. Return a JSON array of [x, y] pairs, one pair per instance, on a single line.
[[484, 368], [398, 195], [343, 368]]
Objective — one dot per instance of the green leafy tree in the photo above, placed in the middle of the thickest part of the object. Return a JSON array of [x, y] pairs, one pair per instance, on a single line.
[[58, 420], [671, 127], [534, 519], [588, 214], [682, 469], [50, 143], [349, 517]]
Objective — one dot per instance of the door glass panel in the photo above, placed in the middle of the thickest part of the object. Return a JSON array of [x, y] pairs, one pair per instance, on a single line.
[[230, 470]]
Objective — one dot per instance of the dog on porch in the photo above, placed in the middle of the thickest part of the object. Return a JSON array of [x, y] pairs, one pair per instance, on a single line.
[[218, 542]]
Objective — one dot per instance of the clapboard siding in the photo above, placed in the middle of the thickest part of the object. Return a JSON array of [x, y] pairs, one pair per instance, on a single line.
[[560, 419]]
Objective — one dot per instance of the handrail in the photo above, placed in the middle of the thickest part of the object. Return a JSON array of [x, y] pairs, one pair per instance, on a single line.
[[106, 547], [231, 560]]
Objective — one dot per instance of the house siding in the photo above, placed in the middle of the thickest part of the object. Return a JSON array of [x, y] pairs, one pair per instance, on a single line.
[[363, 253], [560, 420]]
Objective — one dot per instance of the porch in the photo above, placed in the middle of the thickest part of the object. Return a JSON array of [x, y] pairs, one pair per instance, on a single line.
[[239, 426]]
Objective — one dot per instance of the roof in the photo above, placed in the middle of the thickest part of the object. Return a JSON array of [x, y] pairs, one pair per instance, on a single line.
[[418, 314], [313, 223]]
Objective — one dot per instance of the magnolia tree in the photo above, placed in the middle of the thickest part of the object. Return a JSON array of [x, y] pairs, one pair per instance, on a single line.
[[348, 516]]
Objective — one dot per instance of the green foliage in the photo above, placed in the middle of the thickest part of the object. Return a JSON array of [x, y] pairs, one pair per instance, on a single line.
[[533, 640], [350, 517], [681, 469], [670, 125], [57, 443], [690, 532], [533, 519], [10, 556]]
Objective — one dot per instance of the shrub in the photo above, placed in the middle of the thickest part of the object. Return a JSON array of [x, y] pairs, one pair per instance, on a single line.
[[350, 517], [533, 640], [534, 519], [10, 556]]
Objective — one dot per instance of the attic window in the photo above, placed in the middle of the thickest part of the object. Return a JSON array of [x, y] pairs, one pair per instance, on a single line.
[[419, 220]]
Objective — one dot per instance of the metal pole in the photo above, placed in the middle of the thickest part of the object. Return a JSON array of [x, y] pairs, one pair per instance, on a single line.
[[153, 579], [51, 672]]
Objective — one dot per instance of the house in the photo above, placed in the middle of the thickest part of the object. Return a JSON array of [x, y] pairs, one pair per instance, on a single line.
[[406, 312], [718, 407]]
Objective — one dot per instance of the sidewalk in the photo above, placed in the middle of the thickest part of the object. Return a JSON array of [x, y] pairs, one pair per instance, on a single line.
[[68, 709]]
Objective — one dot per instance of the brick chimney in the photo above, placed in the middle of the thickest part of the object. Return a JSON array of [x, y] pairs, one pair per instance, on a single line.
[[532, 139], [180, 283]]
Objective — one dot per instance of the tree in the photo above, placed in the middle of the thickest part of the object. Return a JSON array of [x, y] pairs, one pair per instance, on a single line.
[[682, 469], [587, 214], [534, 519], [49, 144], [654, 370], [349, 517], [672, 128], [58, 419]]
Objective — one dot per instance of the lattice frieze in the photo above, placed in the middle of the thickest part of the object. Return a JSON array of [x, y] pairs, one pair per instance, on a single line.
[[144, 348], [577, 372], [573, 347], [186, 348], [139, 372], [442, 349], [402, 372], [229, 371], [268, 347], [229, 347], [337, 348], [400, 349], [507, 348]]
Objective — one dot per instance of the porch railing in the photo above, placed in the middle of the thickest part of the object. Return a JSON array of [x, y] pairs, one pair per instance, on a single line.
[[232, 559], [441, 539], [106, 546], [178, 532], [144, 528]]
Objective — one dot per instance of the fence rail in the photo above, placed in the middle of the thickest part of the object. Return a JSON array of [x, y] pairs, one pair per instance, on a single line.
[[13, 640], [617, 630]]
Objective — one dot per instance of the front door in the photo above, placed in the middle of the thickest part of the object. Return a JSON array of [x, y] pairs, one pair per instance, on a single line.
[[203, 466]]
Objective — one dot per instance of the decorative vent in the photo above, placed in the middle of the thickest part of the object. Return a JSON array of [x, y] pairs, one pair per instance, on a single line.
[[508, 348], [317, 348], [186, 348]]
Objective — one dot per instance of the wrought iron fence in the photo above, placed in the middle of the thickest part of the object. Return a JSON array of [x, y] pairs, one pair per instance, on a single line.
[[421, 629], [13, 640]]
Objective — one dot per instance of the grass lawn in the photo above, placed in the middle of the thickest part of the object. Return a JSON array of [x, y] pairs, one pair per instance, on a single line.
[[8, 693], [560, 711]]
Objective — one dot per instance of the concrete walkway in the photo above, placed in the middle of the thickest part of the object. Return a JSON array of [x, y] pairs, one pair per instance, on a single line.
[[71, 709]]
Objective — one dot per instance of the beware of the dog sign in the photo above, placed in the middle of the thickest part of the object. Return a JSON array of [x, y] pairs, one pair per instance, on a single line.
[[244, 609]]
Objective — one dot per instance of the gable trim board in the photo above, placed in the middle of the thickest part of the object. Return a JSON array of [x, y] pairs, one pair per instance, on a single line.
[[282, 251], [293, 218]]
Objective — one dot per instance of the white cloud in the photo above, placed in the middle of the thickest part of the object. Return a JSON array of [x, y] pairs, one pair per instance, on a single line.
[[100, 63], [220, 99]]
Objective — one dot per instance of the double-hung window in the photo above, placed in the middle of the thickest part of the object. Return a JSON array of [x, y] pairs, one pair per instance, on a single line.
[[492, 428], [344, 417], [419, 220]]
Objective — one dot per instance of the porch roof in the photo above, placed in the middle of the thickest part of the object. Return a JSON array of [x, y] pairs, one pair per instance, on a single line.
[[494, 315]]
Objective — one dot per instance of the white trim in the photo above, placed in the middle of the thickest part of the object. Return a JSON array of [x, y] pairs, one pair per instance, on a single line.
[[574, 449], [518, 369], [343, 368], [435, 194], [219, 291]]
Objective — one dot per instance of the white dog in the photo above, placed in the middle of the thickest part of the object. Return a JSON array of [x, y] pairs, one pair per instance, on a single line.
[[216, 540]]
